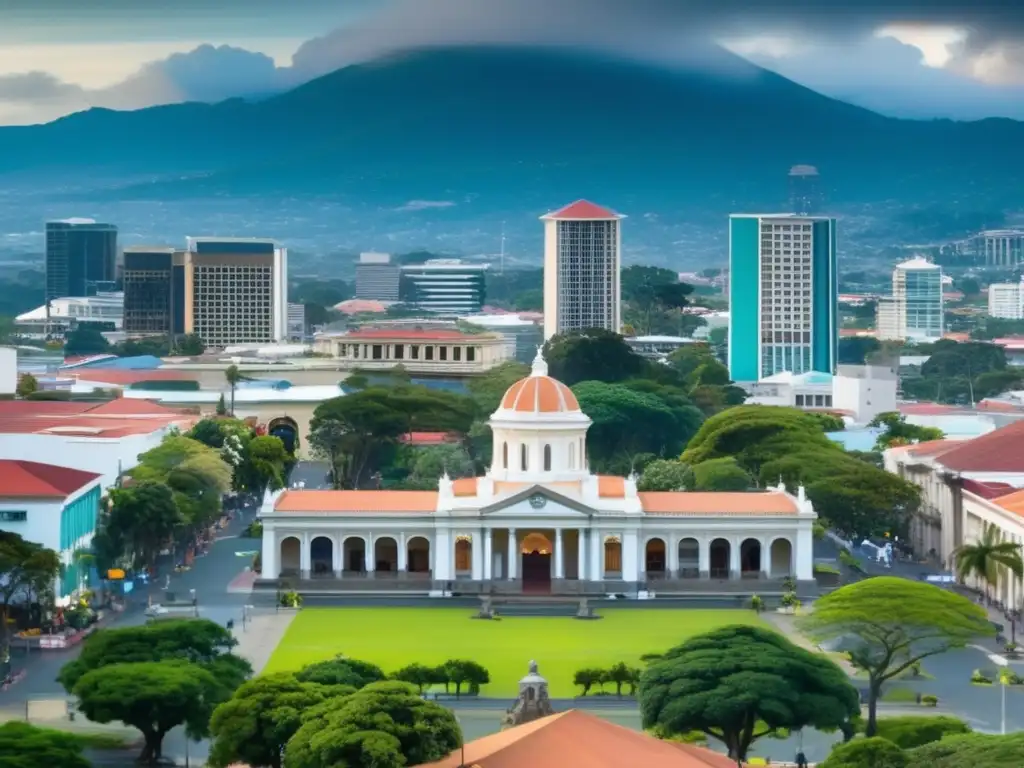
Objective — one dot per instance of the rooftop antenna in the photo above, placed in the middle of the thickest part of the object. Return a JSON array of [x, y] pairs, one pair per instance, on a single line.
[[501, 268]]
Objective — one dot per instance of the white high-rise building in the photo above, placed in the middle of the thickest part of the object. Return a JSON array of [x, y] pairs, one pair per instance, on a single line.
[[1006, 300], [914, 312], [582, 247]]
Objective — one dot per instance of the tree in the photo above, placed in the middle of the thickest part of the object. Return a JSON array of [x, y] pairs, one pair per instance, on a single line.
[[233, 376], [988, 558], [341, 671], [209, 432], [873, 752], [385, 725], [85, 340], [592, 354], [141, 520], [25, 568], [190, 345], [898, 432], [855, 350], [587, 678], [969, 286], [723, 474], [222, 408], [740, 683], [153, 697], [647, 289], [27, 384], [461, 672], [975, 750], [619, 675], [264, 462], [419, 675], [198, 641], [255, 724], [666, 475], [25, 746], [887, 625]]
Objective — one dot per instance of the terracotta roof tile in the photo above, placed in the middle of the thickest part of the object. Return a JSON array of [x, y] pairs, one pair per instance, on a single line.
[[106, 427], [1001, 450], [465, 486], [132, 407], [332, 502], [409, 333], [576, 739], [752, 503], [30, 479], [1013, 502], [540, 394], [582, 210], [611, 487], [124, 378]]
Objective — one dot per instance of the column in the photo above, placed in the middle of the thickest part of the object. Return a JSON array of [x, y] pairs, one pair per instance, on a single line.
[[581, 555], [403, 554], [559, 556], [441, 552], [338, 557], [477, 552], [268, 558], [630, 550], [766, 558], [805, 552], [512, 555], [673, 556], [488, 554], [641, 561], [304, 565], [596, 552], [704, 557], [734, 558]]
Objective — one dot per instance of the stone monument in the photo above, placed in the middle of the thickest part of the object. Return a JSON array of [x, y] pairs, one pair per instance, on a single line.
[[533, 702]]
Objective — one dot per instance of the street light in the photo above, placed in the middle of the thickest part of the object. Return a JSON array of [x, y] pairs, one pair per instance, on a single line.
[[1003, 669]]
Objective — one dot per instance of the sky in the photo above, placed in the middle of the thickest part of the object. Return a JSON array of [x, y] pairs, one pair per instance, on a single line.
[[962, 59]]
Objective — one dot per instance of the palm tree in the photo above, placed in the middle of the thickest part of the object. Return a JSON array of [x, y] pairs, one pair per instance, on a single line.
[[988, 558], [233, 377]]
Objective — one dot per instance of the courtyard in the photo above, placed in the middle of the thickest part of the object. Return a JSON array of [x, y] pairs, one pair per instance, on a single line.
[[395, 637]]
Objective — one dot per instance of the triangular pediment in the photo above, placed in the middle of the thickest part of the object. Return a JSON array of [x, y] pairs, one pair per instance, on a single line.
[[536, 501]]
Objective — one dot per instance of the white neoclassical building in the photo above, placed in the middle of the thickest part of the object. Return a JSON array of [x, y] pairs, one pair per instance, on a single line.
[[538, 521]]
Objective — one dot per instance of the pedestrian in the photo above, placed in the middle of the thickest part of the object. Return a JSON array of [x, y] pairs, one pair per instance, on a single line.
[[801, 759]]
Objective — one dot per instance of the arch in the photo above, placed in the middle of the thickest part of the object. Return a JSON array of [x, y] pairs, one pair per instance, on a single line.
[[286, 428], [504, 455], [750, 558], [523, 463], [536, 543], [572, 455], [654, 557], [418, 560], [353, 554], [719, 554], [612, 555], [463, 553], [321, 556], [547, 458], [780, 558], [689, 558], [385, 554], [291, 556]]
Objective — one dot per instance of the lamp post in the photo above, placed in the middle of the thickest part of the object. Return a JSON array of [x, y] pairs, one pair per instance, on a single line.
[[1003, 669]]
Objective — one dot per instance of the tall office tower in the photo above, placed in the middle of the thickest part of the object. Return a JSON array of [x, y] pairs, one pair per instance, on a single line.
[[154, 290], [236, 291], [446, 286], [1006, 300], [914, 311], [582, 246], [377, 277], [805, 196], [783, 295], [81, 254]]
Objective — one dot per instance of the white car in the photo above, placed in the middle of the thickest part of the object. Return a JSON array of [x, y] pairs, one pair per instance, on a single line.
[[157, 610]]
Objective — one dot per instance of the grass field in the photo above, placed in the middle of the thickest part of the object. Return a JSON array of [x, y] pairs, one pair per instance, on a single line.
[[394, 637]]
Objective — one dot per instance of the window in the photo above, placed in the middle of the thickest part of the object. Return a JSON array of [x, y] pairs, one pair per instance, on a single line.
[[572, 455], [13, 515], [429, 353], [399, 351], [415, 349], [457, 354], [547, 458], [522, 457], [378, 352], [443, 353], [799, 401], [470, 354], [504, 455]]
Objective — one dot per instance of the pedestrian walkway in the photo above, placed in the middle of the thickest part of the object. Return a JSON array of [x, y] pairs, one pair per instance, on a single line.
[[260, 635]]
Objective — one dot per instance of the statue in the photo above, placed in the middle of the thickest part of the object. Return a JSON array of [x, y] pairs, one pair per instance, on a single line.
[[533, 702]]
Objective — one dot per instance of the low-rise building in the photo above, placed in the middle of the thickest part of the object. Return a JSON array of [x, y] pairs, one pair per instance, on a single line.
[[1000, 505], [420, 352], [56, 507], [63, 315], [522, 336], [859, 392], [657, 347], [1006, 300]]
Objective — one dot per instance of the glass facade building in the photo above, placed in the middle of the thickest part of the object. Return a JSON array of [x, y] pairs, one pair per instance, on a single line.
[[81, 257]]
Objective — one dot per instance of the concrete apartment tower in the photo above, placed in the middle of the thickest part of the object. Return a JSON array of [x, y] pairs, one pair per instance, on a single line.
[[582, 259], [915, 309], [783, 295]]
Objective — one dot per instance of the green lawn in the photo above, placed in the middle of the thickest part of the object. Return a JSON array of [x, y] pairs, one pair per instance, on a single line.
[[394, 637]]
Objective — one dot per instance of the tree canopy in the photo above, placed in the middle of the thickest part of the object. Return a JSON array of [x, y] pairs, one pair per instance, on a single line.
[[25, 567], [872, 752], [975, 750], [740, 683], [341, 670], [25, 746], [898, 432], [888, 624], [724, 474], [139, 523], [384, 725], [592, 354], [666, 475]]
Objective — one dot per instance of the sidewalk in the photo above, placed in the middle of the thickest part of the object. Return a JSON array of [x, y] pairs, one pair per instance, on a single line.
[[261, 636]]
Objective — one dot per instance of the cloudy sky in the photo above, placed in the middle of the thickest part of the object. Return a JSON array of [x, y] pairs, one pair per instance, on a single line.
[[915, 58]]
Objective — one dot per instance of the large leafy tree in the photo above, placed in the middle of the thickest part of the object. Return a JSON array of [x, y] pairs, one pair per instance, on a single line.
[[896, 431], [592, 354], [341, 670], [385, 725], [887, 625], [25, 746], [254, 725], [139, 523], [666, 475], [86, 340], [724, 474], [740, 683], [153, 697], [198, 641], [26, 568]]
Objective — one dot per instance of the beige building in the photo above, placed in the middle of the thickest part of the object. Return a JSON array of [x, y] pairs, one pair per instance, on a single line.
[[420, 352], [1003, 507]]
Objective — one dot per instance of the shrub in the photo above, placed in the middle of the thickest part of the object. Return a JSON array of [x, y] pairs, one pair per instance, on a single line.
[[257, 562], [254, 530], [930, 700], [756, 603], [789, 584], [789, 600], [980, 678], [866, 753], [826, 568], [49, 394], [291, 599], [914, 731]]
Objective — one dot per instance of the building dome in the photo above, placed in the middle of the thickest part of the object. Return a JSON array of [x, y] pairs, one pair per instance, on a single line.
[[539, 393]]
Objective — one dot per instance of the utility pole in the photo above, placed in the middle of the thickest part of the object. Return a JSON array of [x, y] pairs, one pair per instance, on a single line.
[[501, 262]]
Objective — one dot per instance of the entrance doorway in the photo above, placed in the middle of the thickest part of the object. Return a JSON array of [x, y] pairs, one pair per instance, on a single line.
[[536, 563]]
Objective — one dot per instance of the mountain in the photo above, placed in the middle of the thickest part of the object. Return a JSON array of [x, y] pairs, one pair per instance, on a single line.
[[532, 127]]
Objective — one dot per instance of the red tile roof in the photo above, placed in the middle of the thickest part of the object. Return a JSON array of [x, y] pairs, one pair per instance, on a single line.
[[108, 420], [582, 210], [999, 451], [124, 378], [32, 480], [409, 333], [577, 739], [132, 407], [428, 438], [988, 490], [927, 409]]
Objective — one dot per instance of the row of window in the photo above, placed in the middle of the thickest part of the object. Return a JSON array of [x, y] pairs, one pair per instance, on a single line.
[[378, 352], [524, 456], [814, 401]]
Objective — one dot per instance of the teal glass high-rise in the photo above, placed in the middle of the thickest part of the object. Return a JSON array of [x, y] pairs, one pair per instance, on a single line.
[[783, 295]]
